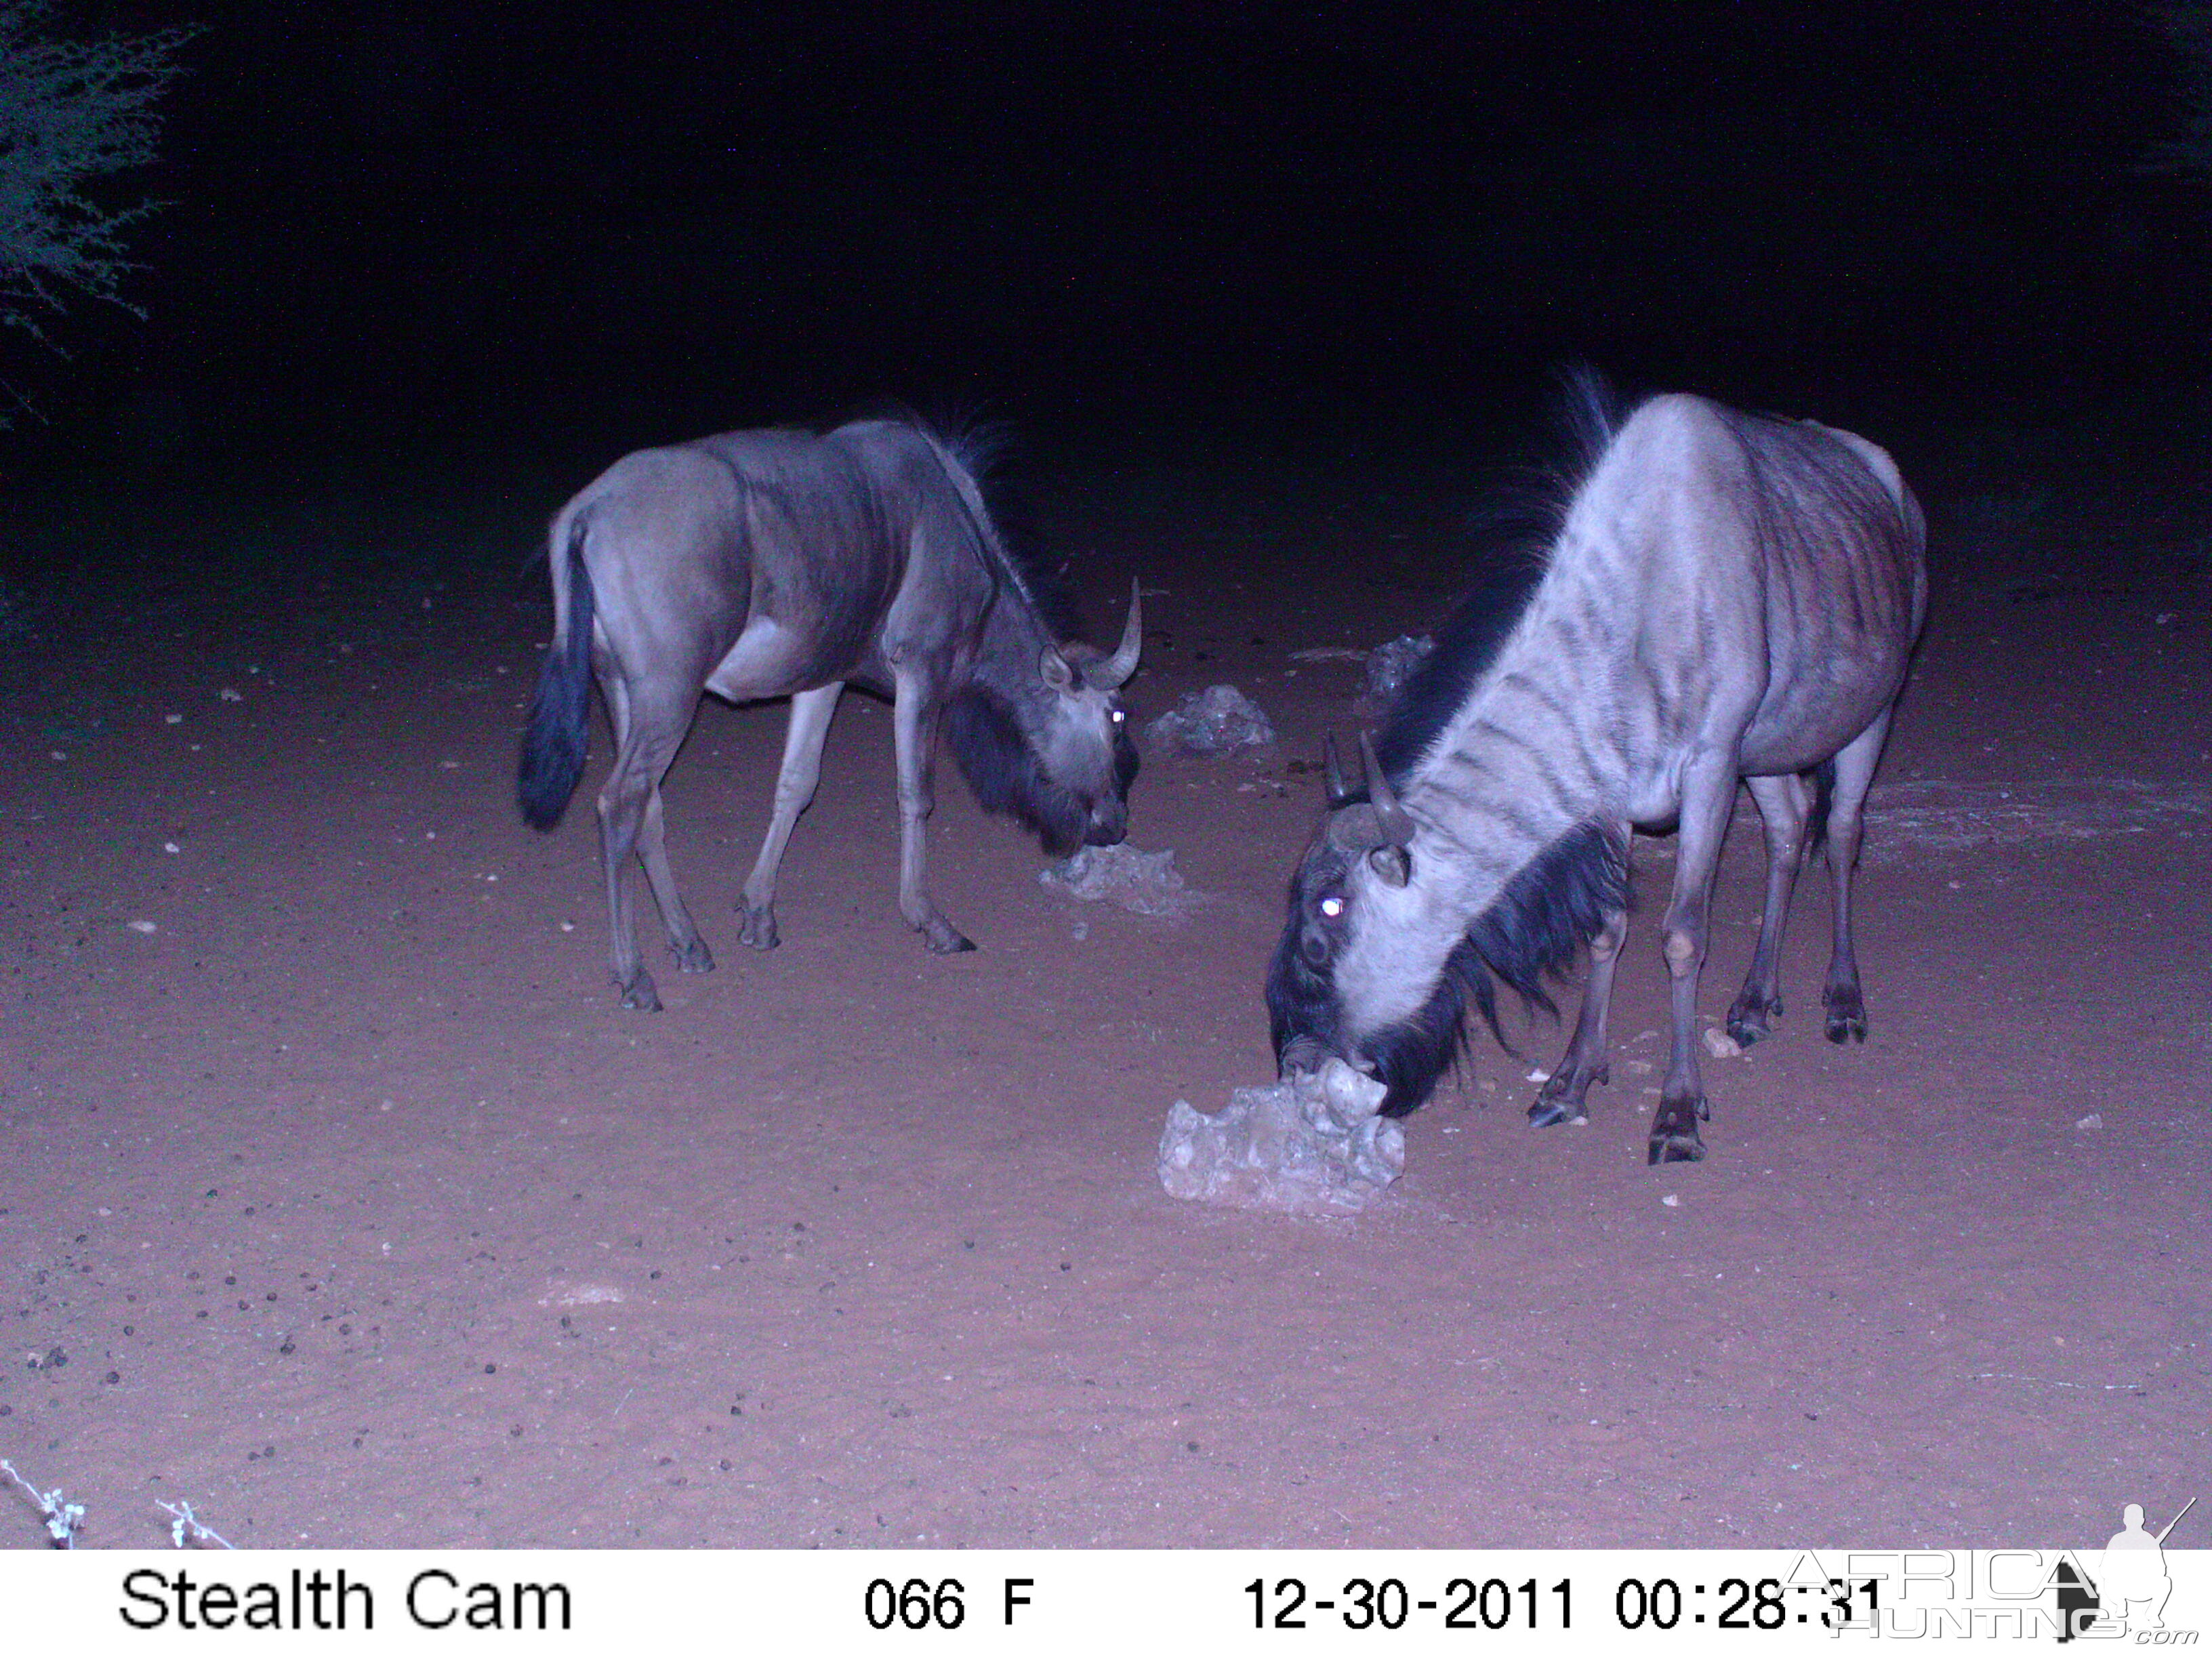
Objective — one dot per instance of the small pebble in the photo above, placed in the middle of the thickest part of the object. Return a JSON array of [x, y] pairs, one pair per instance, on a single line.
[[144, 928], [1720, 1045], [1672, 1201], [229, 695], [171, 846], [2094, 1121], [173, 720]]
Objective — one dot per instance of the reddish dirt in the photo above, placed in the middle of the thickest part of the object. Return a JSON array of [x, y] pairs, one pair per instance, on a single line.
[[347, 1205]]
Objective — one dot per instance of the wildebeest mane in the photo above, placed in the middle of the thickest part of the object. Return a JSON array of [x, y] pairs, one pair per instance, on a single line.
[[984, 451], [1514, 531], [1530, 933]]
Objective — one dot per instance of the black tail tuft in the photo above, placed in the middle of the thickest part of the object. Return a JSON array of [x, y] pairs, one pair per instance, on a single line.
[[560, 732], [1824, 797]]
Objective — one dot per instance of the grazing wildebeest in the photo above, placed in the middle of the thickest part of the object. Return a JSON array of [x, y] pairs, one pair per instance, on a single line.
[[765, 564], [1724, 596]]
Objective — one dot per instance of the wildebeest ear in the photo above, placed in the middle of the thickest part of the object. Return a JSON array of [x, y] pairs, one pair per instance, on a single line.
[[1054, 666], [1393, 864]]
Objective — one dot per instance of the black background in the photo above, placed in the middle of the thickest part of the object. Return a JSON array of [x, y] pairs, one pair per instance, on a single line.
[[1295, 234]]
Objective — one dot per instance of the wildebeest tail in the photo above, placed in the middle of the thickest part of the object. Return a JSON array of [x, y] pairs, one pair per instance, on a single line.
[[1824, 797], [560, 732]]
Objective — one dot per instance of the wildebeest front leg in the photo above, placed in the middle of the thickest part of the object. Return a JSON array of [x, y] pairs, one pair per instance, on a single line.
[[1855, 763], [1708, 794], [794, 792], [915, 720], [689, 950], [1561, 1098], [1782, 803]]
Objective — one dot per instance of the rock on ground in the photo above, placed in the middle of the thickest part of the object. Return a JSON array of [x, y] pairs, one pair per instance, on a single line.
[[1391, 664], [1214, 722], [1313, 1146], [1146, 883]]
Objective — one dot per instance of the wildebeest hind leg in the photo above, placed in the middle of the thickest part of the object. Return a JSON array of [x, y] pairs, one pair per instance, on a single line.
[[794, 791], [1561, 1098], [1855, 764], [648, 729], [1782, 803], [915, 720]]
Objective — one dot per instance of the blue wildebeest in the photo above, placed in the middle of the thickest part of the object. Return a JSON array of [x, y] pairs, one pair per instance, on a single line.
[[775, 563], [1724, 596]]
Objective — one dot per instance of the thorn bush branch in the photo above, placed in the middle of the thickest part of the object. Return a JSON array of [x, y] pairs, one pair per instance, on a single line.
[[71, 114], [186, 1525], [62, 1518]]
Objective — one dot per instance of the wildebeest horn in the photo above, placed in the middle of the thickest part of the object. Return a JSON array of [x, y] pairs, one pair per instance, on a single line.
[[1332, 772], [1114, 673], [1395, 823]]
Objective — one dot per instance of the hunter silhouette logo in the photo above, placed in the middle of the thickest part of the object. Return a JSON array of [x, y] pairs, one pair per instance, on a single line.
[[2129, 1590]]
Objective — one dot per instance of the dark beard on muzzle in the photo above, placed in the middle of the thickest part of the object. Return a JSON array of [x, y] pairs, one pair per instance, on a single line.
[[1006, 776], [1411, 1056]]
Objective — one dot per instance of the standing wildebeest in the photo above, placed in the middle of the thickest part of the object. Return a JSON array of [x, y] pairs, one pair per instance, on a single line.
[[1725, 596], [765, 564]]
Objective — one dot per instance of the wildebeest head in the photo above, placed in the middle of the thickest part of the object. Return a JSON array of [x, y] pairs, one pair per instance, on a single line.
[[1053, 753], [1352, 975], [1379, 962]]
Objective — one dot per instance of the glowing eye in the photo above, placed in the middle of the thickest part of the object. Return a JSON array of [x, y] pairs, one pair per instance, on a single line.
[[1119, 714], [1332, 907]]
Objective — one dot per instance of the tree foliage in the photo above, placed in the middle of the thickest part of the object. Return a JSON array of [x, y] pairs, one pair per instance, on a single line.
[[71, 115]]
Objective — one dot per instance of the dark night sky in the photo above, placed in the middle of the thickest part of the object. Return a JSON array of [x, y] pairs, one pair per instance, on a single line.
[[450, 229]]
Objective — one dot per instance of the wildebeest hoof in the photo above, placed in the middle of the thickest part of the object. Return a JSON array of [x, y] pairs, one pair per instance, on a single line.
[[1560, 1099], [1551, 1109], [942, 937], [1747, 1019], [1675, 1137], [694, 957], [1846, 1017], [640, 993], [757, 928]]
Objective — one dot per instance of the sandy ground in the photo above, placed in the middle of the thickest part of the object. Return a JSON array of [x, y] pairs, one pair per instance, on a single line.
[[344, 1203]]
